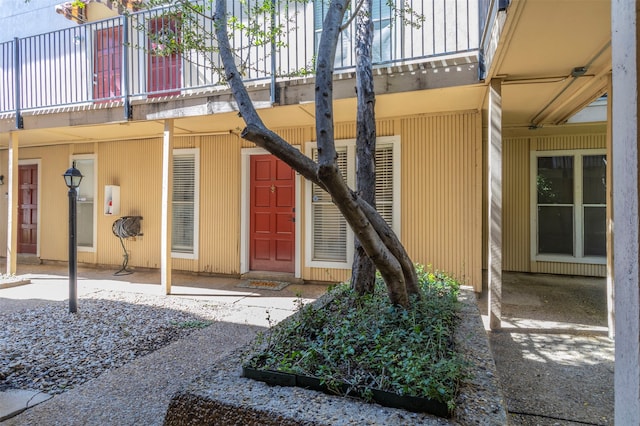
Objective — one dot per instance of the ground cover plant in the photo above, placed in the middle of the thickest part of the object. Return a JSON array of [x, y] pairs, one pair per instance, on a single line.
[[367, 343]]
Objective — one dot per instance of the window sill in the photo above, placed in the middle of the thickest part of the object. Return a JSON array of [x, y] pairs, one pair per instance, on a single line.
[[594, 260], [189, 256], [327, 264]]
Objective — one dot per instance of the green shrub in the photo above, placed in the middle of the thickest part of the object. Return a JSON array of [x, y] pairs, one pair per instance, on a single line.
[[367, 343]]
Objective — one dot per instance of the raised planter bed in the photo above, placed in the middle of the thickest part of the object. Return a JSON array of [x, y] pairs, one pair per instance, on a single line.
[[387, 399]]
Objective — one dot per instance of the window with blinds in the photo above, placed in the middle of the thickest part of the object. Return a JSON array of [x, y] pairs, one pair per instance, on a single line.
[[329, 229], [184, 202], [331, 240], [384, 182]]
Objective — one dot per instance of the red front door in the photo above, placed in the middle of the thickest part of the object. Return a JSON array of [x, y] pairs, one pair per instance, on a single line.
[[165, 66], [28, 208], [272, 242], [107, 64]]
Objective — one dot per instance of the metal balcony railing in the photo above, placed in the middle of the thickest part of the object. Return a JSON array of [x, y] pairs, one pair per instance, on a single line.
[[131, 57]]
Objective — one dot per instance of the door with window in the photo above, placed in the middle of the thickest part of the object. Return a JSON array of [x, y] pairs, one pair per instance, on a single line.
[[28, 208], [107, 74], [272, 211]]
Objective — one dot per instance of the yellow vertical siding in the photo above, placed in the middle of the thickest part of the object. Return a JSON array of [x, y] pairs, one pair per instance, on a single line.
[[83, 148], [515, 205], [219, 205], [345, 131], [442, 193], [134, 165], [569, 269], [588, 141]]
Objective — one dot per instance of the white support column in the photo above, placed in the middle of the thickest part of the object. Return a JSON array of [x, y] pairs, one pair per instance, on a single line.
[[166, 209], [611, 312], [626, 238], [12, 205], [495, 205]]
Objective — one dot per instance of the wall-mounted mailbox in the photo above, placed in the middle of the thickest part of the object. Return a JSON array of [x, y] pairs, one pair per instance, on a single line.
[[111, 200]]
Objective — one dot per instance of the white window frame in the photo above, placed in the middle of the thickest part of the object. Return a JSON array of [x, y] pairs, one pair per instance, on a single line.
[[196, 203], [350, 144], [94, 158], [578, 220]]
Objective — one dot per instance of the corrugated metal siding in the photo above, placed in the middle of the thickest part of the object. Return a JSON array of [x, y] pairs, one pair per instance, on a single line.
[[549, 143], [442, 193], [326, 274], [219, 205], [515, 213], [345, 131], [83, 148], [569, 269], [134, 165]]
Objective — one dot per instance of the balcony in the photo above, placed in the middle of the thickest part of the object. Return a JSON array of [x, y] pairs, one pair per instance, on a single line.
[[124, 61]]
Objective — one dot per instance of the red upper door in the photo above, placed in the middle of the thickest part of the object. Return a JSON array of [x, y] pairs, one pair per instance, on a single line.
[[272, 213], [28, 208], [107, 64], [165, 66]]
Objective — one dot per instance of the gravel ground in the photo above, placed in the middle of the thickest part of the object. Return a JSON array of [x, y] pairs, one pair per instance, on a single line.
[[48, 349]]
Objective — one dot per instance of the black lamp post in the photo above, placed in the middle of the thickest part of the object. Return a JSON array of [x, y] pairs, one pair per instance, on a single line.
[[72, 178]]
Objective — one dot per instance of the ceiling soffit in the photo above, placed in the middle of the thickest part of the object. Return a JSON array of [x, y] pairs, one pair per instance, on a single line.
[[554, 59]]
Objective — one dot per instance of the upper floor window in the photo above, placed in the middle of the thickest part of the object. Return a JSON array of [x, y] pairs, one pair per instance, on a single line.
[[569, 206], [381, 15]]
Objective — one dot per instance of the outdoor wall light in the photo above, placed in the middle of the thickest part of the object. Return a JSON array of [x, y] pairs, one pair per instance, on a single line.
[[72, 178]]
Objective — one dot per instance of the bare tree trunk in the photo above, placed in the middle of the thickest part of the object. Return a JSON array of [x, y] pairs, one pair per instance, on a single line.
[[368, 226], [363, 270]]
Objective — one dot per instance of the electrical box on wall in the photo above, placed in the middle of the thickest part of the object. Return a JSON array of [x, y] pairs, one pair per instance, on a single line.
[[111, 200]]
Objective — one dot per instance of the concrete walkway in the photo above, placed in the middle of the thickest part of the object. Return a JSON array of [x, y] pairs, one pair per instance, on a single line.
[[554, 359]]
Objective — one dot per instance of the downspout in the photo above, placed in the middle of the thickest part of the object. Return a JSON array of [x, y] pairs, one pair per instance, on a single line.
[[125, 68], [16, 75]]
